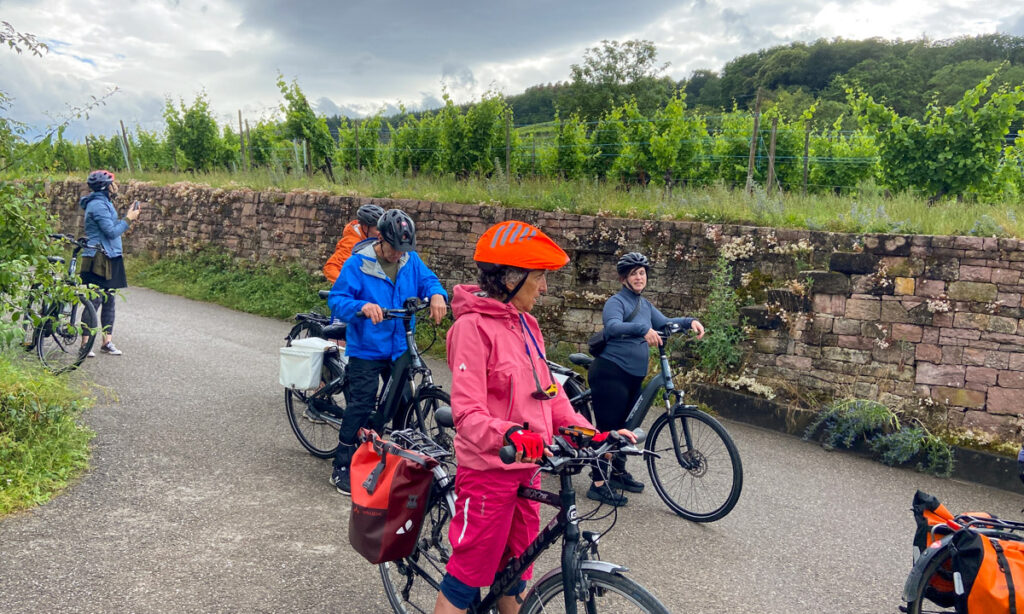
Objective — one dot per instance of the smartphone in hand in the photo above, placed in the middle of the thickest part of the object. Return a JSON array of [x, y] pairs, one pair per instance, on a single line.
[[135, 206]]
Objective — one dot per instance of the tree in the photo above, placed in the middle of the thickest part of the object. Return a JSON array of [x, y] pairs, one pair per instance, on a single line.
[[613, 73], [955, 149], [302, 123], [193, 131]]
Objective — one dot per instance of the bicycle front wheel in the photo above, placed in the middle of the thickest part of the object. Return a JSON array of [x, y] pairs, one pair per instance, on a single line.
[[304, 329], [66, 334], [411, 584], [315, 416], [700, 478], [605, 592], [425, 404]]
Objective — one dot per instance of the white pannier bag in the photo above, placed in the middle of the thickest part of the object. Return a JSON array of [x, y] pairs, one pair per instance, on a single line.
[[301, 363]]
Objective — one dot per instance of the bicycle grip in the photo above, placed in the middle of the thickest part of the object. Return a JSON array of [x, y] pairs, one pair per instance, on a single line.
[[507, 454]]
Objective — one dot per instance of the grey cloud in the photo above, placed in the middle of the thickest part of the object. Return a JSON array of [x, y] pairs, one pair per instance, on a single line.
[[457, 76], [1013, 25]]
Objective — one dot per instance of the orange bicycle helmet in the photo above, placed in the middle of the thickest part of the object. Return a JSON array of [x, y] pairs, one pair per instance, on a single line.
[[518, 244]]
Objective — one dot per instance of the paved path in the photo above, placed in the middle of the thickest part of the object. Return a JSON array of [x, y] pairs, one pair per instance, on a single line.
[[201, 500]]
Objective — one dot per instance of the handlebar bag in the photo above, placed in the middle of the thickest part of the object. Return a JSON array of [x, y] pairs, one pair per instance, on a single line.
[[390, 492], [992, 573]]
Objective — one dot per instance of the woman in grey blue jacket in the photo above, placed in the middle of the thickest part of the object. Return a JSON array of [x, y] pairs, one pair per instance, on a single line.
[[102, 226], [631, 325]]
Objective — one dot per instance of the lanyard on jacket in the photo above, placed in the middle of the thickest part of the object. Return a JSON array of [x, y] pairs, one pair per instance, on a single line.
[[540, 393]]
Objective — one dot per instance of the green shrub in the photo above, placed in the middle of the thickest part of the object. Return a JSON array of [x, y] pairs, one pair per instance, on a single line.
[[42, 447]]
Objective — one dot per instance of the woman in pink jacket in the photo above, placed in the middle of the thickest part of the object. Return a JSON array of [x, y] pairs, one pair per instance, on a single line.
[[502, 392]]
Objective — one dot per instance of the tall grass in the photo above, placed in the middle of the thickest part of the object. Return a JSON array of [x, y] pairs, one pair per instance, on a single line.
[[42, 445], [866, 209]]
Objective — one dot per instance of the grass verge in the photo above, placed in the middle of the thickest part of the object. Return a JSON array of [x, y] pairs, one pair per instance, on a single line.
[[42, 445]]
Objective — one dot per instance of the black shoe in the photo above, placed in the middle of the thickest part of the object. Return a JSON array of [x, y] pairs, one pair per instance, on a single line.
[[625, 481], [340, 479], [605, 494]]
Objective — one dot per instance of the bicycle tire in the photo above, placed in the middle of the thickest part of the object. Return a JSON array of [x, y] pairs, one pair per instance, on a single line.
[[607, 592], [429, 399], [319, 437], [304, 329], [580, 403], [921, 591], [709, 490], [63, 339], [411, 584]]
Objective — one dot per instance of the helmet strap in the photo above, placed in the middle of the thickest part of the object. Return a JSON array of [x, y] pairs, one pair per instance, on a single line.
[[515, 290]]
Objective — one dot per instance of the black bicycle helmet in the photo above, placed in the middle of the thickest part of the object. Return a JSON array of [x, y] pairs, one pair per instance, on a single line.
[[100, 180], [368, 215], [397, 230], [630, 261]]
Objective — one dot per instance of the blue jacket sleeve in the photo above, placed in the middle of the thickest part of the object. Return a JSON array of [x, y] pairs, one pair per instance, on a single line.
[[429, 284], [342, 300], [106, 219], [658, 319], [614, 315]]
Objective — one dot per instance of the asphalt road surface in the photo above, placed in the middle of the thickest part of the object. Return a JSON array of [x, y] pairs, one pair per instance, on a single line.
[[200, 499]]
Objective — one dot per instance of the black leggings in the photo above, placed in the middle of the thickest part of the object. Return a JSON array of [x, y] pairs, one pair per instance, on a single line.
[[104, 304], [613, 393]]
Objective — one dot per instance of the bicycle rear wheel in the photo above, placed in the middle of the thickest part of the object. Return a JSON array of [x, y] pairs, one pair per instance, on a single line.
[[937, 574], [66, 335], [605, 592], [429, 400], [310, 412], [580, 403], [411, 584], [701, 481]]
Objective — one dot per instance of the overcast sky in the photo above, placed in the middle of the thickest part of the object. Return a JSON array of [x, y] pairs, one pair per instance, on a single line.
[[357, 57]]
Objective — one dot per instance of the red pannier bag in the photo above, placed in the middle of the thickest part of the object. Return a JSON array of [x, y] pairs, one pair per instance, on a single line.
[[390, 492]]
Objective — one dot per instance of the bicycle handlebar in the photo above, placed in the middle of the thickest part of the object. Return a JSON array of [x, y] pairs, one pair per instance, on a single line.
[[580, 450], [81, 243], [413, 305]]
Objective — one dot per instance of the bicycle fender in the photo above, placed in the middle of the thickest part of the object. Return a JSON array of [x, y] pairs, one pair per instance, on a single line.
[[604, 566], [914, 578], [679, 409]]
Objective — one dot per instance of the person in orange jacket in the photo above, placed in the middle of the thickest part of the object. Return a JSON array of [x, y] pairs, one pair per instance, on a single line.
[[362, 228]]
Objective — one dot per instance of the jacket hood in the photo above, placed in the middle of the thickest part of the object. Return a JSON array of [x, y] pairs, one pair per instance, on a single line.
[[88, 198], [468, 298]]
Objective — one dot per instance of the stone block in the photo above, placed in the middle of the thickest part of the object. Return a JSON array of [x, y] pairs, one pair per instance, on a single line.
[[928, 352], [907, 332], [888, 245], [986, 358], [976, 243], [863, 309], [771, 345], [982, 375], [1005, 401], [1005, 276], [1011, 379], [846, 326], [893, 311], [852, 262], [978, 321], [799, 363], [972, 291], [952, 355], [975, 273], [856, 342], [940, 267], [940, 375], [903, 285], [959, 397], [1016, 362], [846, 355], [758, 316], [825, 282], [930, 288]]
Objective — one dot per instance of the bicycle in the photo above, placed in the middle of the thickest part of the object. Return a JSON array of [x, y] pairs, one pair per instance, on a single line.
[[698, 472], [62, 332], [932, 577], [315, 416], [412, 583]]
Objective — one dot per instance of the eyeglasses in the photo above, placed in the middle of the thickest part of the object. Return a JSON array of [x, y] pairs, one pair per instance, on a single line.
[[541, 394]]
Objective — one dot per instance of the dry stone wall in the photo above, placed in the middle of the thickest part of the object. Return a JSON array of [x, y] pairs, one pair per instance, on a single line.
[[930, 322]]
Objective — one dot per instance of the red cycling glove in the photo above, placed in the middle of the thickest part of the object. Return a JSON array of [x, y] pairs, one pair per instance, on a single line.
[[526, 441]]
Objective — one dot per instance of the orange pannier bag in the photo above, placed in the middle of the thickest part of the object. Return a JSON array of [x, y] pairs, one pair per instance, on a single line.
[[390, 494], [991, 571]]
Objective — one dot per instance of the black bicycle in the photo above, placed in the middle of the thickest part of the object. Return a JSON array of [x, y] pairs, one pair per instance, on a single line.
[[411, 399], [62, 332], [696, 468], [582, 582]]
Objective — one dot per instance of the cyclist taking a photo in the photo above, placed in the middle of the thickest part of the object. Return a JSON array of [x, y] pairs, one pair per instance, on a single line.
[[379, 275], [631, 325], [502, 392], [105, 270], [358, 230]]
